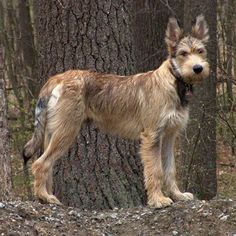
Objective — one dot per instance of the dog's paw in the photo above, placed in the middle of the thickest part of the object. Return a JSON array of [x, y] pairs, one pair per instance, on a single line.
[[183, 196], [160, 202], [53, 200]]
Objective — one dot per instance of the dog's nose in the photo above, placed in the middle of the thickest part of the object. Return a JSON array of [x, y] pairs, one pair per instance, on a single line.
[[197, 68]]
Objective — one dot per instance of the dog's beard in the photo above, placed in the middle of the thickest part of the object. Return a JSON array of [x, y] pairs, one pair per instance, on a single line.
[[192, 79]]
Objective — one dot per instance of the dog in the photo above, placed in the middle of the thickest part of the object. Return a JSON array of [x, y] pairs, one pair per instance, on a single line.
[[151, 106]]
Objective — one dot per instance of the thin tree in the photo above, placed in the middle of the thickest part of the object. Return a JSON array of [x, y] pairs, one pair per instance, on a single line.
[[5, 161]]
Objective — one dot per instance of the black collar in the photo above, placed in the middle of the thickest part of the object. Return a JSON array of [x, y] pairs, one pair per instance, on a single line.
[[181, 86]]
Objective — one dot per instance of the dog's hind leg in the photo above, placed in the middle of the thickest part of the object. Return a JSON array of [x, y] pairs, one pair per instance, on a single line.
[[49, 183], [42, 168], [153, 171], [170, 170], [63, 124]]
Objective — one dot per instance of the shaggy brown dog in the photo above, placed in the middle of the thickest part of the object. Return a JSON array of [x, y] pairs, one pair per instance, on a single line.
[[152, 106]]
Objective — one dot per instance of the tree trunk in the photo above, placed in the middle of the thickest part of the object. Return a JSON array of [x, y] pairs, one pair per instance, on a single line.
[[120, 37], [28, 53], [230, 7], [198, 162], [19, 66], [229, 53], [5, 161]]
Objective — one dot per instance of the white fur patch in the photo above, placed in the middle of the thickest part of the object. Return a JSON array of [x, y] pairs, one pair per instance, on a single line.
[[56, 93], [37, 111], [176, 119]]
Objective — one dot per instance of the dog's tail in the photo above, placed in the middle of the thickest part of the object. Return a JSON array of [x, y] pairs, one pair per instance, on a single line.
[[36, 142]]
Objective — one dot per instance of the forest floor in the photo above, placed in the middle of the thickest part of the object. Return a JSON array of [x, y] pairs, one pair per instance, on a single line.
[[215, 217], [226, 172]]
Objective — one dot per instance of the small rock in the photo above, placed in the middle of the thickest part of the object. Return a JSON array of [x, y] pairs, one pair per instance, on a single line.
[[120, 223], [114, 215], [57, 225], [174, 232], [72, 213], [206, 213], [28, 223], [100, 217], [200, 210], [156, 218], [224, 218], [136, 217], [2, 205]]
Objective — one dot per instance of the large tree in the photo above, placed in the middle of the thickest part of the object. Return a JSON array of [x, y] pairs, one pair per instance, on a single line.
[[122, 37]]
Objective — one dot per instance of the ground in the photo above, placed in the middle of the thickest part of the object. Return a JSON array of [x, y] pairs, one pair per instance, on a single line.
[[216, 217], [226, 171]]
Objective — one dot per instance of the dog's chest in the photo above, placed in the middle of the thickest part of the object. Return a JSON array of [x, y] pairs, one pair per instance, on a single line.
[[177, 119]]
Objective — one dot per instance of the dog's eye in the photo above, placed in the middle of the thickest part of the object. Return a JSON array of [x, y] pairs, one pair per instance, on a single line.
[[183, 53], [200, 51]]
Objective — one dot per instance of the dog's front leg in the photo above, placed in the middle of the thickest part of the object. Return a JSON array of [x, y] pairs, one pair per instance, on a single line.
[[153, 171], [168, 142]]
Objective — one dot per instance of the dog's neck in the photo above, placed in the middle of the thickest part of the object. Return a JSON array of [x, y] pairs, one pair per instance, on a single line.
[[182, 87]]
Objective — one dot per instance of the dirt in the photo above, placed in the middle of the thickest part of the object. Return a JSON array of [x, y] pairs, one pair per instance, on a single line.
[[216, 217]]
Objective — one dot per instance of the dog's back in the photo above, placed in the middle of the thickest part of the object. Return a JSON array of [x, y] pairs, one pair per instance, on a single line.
[[114, 103]]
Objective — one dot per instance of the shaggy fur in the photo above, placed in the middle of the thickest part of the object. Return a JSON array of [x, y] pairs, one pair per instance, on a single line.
[[152, 106]]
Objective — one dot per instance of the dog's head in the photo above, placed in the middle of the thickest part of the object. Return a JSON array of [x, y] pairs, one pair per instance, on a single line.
[[188, 53]]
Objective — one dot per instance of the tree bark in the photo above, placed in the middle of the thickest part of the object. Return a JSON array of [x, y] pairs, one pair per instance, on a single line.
[[19, 54], [28, 52], [19, 67], [5, 161], [230, 6], [198, 161], [120, 37]]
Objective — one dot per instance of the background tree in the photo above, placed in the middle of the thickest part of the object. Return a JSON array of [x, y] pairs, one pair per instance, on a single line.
[[226, 65], [19, 62], [5, 161], [198, 159]]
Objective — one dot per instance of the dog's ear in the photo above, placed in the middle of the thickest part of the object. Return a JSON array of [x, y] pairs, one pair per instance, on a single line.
[[200, 29], [173, 35]]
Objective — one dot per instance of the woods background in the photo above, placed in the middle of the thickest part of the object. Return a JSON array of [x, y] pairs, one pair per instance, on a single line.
[[41, 38]]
